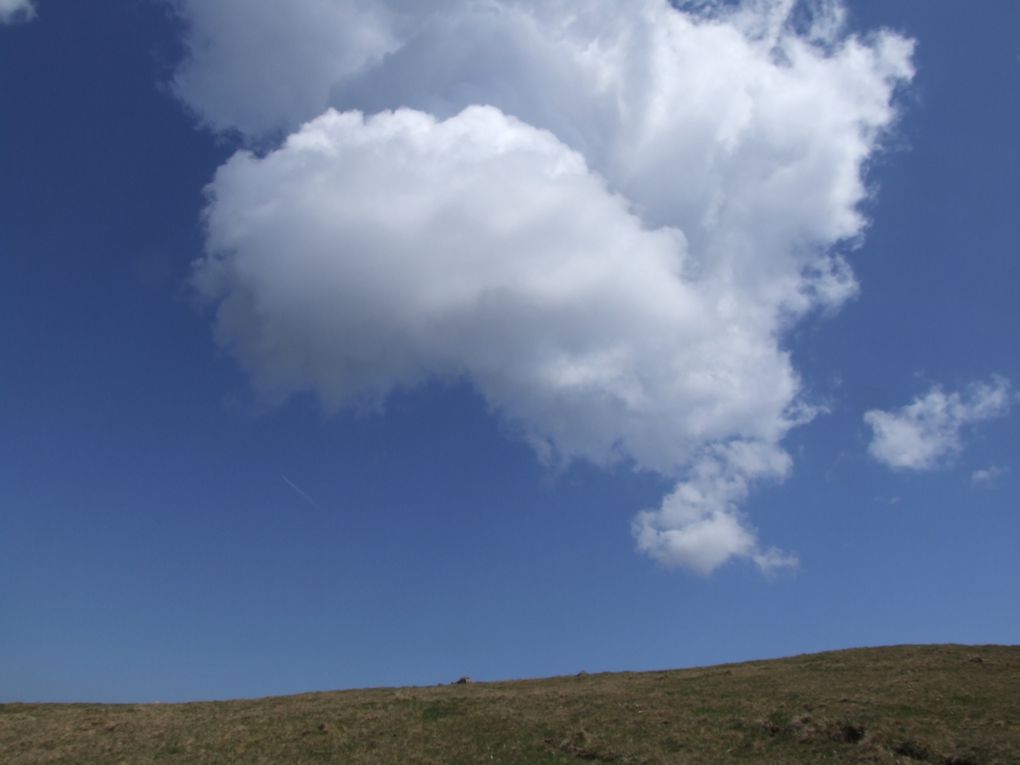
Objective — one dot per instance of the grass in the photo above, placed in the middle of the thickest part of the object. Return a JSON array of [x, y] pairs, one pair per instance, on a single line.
[[935, 705]]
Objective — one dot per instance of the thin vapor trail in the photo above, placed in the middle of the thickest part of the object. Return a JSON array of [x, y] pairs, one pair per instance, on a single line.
[[302, 493]]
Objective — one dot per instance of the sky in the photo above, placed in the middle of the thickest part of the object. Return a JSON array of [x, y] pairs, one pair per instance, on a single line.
[[353, 344]]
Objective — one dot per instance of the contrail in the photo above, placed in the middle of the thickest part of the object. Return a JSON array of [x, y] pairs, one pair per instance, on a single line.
[[302, 493]]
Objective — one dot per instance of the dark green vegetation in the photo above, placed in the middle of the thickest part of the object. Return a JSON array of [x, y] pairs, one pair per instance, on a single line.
[[942, 705]]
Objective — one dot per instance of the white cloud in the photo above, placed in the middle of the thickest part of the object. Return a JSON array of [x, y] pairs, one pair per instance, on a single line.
[[988, 476], [927, 433], [604, 215], [13, 11], [699, 525], [366, 255], [260, 65]]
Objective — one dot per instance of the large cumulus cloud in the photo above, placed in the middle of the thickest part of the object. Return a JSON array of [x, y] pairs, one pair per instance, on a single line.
[[604, 215]]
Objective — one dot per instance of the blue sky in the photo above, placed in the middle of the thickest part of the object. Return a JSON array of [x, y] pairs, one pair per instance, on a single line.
[[382, 403]]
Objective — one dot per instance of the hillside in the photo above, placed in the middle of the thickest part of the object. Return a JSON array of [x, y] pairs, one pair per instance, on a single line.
[[945, 705]]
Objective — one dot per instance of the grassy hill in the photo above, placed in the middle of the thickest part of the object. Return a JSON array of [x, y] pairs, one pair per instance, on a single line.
[[943, 705]]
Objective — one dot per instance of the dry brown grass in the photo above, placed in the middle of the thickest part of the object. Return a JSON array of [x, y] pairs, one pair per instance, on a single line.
[[941, 705]]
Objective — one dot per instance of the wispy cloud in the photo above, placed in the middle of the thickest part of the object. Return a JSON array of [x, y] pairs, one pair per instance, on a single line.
[[889, 500], [986, 477], [14, 11]]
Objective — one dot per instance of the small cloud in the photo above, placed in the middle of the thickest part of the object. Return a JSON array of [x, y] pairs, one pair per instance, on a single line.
[[926, 434], [699, 526], [987, 476], [888, 500], [15, 11]]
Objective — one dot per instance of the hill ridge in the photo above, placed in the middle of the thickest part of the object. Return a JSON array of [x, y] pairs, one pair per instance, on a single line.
[[942, 704]]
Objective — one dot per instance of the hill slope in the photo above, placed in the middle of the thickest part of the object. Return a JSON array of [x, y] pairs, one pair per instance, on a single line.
[[944, 705]]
